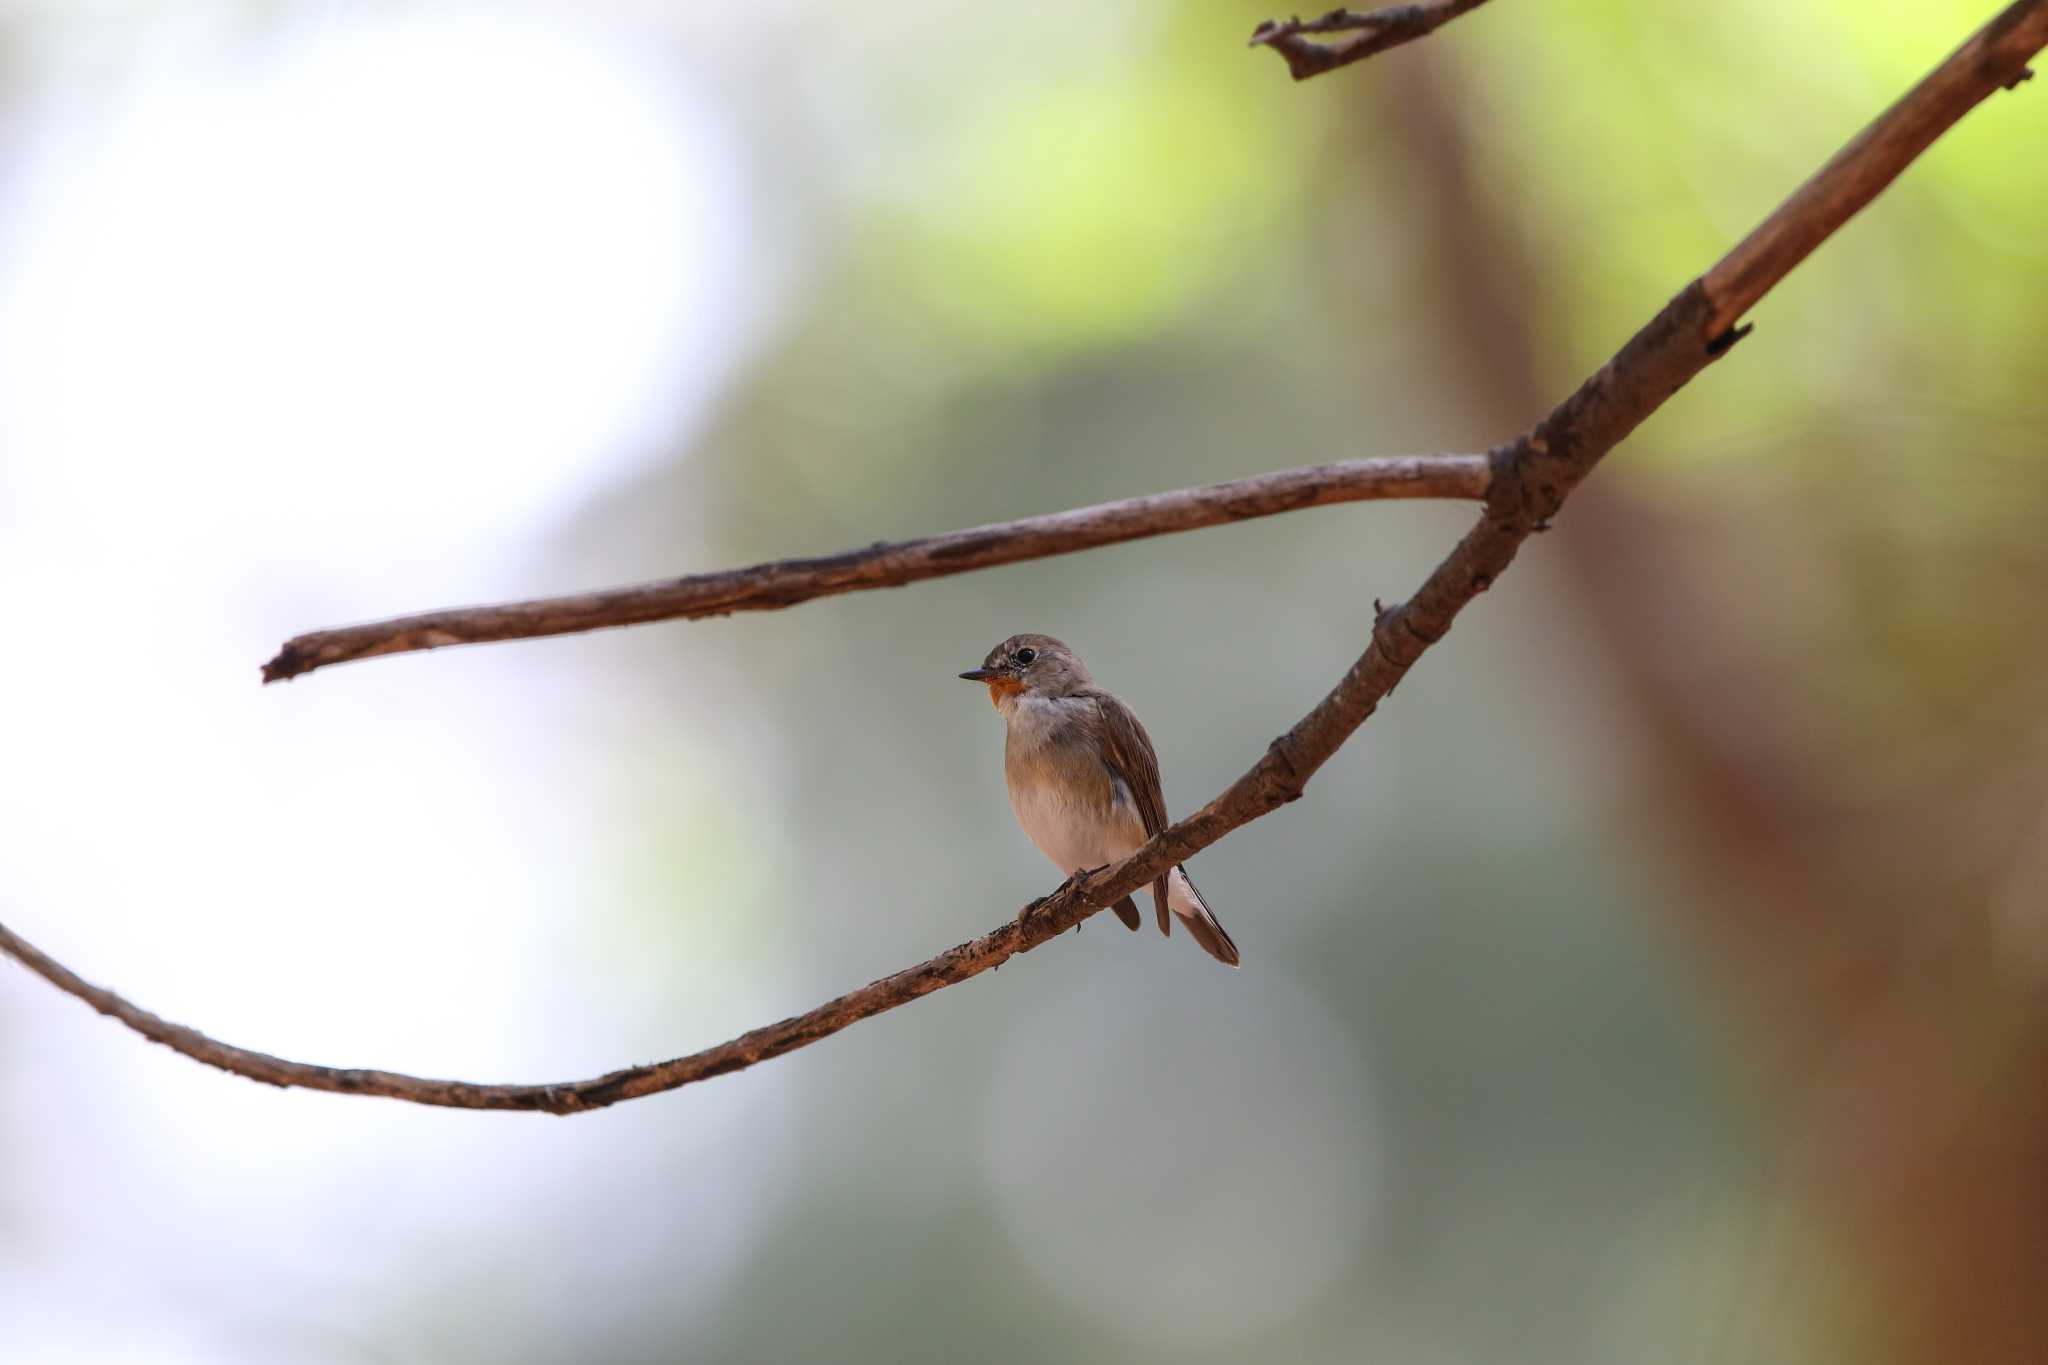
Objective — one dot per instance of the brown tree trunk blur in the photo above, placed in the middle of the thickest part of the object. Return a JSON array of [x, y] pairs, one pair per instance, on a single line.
[[1906, 1058]]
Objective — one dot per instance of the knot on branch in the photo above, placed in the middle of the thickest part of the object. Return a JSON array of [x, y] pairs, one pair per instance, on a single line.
[[562, 1101], [1720, 345], [1516, 495], [1284, 777]]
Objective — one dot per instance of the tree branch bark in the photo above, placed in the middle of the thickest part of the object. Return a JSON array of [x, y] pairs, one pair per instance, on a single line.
[[1994, 58], [1381, 29], [786, 582], [1530, 478]]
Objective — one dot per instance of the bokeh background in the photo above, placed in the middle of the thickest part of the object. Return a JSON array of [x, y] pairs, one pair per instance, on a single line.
[[1659, 976]]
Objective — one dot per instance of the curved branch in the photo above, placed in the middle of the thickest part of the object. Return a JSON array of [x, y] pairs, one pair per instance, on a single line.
[[786, 582], [1381, 29], [1531, 477], [568, 1097]]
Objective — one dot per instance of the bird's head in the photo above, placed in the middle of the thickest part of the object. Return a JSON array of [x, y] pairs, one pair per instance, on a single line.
[[1029, 666]]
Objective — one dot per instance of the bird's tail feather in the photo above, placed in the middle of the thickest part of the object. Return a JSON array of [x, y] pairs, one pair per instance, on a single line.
[[1202, 924]]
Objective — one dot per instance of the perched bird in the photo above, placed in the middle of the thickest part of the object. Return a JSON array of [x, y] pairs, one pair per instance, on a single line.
[[1083, 778]]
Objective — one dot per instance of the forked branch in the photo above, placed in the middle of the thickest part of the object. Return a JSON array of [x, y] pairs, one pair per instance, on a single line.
[[1530, 478]]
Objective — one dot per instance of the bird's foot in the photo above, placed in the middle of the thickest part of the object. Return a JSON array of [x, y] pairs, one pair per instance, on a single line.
[[1077, 875]]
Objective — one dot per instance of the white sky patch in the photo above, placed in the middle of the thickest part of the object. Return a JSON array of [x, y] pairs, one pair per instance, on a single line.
[[427, 265], [298, 326]]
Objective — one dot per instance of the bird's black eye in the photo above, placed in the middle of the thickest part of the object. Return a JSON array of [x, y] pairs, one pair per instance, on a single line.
[[1025, 656]]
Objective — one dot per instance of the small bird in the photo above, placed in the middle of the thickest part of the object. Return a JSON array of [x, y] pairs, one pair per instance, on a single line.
[[1083, 778]]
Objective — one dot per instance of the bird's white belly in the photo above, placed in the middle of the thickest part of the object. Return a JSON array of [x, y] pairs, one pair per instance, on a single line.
[[1074, 834]]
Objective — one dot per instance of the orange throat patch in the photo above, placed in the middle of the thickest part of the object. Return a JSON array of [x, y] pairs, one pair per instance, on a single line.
[[998, 688]]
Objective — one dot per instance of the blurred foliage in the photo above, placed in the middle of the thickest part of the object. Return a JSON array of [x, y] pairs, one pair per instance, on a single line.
[[1076, 256]]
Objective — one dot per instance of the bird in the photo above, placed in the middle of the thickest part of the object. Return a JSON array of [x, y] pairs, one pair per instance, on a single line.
[[1084, 779]]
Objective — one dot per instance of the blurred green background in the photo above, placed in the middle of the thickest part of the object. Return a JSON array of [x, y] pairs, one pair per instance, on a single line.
[[1592, 999]]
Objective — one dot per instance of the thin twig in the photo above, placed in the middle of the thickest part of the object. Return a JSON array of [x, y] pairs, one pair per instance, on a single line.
[[1531, 477], [786, 582], [1381, 29]]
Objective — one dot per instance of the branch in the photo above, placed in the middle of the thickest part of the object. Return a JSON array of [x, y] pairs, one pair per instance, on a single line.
[[786, 582], [568, 1097], [1383, 28], [1530, 478], [1994, 58]]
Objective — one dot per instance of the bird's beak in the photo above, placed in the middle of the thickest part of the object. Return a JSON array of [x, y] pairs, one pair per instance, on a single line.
[[980, 675]]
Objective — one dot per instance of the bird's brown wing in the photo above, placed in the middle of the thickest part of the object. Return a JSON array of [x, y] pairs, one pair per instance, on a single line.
[[1127, 750]]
